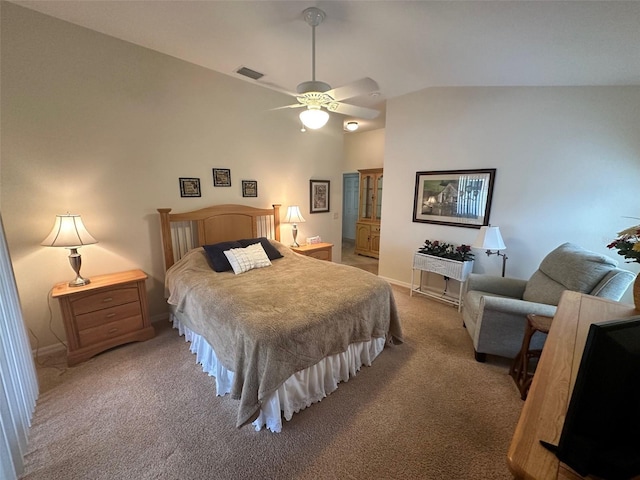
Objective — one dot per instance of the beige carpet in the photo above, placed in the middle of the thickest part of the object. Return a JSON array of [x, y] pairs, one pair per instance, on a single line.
[[423, 410], [349, 257]]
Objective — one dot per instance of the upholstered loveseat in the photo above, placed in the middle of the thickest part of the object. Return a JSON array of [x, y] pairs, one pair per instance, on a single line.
[[495, 308]]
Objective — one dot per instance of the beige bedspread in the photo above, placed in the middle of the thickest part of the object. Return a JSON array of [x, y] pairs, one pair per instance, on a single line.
[[268, 323]]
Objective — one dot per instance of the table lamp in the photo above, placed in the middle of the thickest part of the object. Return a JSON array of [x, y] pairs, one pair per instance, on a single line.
[[69, 232], [489, 239], [294, 216]]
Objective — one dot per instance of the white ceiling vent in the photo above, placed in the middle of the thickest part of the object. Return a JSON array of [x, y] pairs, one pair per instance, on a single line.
[[247, 72]]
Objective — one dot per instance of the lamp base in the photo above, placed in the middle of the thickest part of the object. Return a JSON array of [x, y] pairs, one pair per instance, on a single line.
[[76, 262], [79, 282], [294, 231], [504, 259]]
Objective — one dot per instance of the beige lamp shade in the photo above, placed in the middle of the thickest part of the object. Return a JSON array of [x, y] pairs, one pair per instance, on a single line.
[[68, 231], [489, 238], [293, 215]]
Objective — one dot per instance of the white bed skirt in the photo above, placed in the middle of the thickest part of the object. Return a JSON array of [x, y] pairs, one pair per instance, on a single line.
[[301, 389]]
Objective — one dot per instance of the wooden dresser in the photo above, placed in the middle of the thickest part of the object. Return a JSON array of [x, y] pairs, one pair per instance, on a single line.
[[109, 311], [321, 251]]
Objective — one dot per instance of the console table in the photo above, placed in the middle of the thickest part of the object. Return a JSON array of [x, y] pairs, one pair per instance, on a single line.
[[442, 266], [544, 410]]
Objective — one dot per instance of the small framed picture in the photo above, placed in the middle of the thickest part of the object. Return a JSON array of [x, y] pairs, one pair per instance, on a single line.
[[249, 188], [189, 187], [221, 177], [319, 196]]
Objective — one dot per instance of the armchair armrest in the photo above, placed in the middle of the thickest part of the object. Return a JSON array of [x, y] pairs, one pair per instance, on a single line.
[[509, 287], [514, 306]]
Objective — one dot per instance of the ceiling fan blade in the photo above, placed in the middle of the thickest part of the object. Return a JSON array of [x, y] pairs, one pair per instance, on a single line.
[[294, 105], [355, 111], [359, 87]]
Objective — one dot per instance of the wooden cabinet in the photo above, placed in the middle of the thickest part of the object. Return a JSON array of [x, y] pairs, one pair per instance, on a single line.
[[109, 311], [367, 239], [321, 251], [369, 213]]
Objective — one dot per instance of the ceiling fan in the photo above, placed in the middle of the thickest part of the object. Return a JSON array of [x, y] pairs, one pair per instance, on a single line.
[[318, 97]]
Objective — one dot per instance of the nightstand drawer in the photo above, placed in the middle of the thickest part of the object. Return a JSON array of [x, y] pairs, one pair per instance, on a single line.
[[107, 315], [100, 333], [321, 251], [104, 299], [320, 255]]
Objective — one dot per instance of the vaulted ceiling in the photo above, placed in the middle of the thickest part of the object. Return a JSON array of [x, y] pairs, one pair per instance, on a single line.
[[404, 46]]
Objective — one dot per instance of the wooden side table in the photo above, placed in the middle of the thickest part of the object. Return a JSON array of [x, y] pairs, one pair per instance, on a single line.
[[109, 311], [520, 367], [321, 251]]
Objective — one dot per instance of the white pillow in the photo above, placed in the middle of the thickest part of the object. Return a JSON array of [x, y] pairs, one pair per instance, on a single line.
[[244, 259]]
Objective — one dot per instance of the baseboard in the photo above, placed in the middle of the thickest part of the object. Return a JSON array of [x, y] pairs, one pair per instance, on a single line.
[[48, 350], [393, 281], [161, 317]]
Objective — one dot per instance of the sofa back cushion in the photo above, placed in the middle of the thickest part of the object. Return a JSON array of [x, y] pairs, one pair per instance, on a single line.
[[568, 267]]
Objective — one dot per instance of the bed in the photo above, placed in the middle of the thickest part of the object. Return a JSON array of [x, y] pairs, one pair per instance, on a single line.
[[281, 333]]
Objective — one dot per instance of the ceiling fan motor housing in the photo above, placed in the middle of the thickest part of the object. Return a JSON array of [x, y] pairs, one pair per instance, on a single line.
[[313, 86]]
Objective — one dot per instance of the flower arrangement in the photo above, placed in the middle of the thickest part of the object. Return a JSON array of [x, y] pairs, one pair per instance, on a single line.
[[461, 253], [628, 244]]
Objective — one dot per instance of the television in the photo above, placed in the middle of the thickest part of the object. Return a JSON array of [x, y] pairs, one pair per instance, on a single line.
[[601, 432]]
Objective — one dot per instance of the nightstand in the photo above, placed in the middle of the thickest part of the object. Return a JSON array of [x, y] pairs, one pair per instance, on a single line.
[[109, 311], [321, 251]]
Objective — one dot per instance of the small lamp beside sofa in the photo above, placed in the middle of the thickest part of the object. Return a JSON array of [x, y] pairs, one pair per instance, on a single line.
[[495, 308]]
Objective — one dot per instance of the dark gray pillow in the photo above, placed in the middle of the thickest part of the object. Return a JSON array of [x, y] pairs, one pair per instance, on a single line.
[[271, 251], [215, 254]]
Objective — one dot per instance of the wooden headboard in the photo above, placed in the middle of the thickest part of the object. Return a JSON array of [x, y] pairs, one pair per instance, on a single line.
[[219, 223]]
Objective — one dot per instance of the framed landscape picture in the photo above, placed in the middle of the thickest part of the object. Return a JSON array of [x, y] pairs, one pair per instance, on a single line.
[[221, 177], [319, 196], [460, 198], [249, 188], [189, 187]]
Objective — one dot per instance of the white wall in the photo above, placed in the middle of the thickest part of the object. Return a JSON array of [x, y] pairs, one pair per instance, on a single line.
[[364, 150], [101, 127], [567, 160]]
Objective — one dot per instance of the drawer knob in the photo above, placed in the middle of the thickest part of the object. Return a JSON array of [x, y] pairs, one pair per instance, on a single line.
[[112, 330], [108, 299], [109, 315]]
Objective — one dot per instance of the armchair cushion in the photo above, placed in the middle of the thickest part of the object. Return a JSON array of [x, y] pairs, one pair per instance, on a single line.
[[568, 267], [502, 286]]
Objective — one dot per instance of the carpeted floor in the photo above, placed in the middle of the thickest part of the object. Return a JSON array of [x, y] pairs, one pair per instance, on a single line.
[[369, 264], [423, 410]]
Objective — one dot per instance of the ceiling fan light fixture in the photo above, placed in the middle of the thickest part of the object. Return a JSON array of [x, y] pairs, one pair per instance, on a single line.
[[314, 117], [352, 126]]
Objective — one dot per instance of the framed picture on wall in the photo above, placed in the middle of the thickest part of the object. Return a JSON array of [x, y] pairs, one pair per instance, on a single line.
[[461, 198], [319, 195], [249, 188], [189, 187], [221, 177]]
